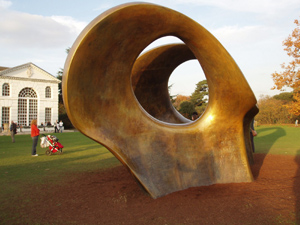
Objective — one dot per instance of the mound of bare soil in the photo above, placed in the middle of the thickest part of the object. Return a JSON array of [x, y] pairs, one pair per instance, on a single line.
[[113, 197]]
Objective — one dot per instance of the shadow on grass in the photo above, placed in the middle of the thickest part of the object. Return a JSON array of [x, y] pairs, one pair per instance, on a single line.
[[267, 141]]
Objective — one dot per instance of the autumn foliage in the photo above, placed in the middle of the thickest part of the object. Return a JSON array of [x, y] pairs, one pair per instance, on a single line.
[[272, 112], [179, 99], [275, 109], [290, 76]]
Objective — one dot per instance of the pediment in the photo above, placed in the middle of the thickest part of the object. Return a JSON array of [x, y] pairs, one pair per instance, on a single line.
[[28, 71]]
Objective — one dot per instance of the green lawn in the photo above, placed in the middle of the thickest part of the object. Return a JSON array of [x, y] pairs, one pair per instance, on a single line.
[[277, 140], [18, 169], [80, 154]]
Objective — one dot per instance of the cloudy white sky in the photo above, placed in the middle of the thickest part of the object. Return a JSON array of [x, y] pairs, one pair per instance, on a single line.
[[39, 31]]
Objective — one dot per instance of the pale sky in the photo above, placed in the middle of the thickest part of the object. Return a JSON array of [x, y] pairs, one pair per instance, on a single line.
[[40, 31]]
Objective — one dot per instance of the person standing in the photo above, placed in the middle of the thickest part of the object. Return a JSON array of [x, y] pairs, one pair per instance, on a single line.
[[55, 127], [13, 131], [43, 126], [253, 133], [35, 132], [61, 124], [194, 116]]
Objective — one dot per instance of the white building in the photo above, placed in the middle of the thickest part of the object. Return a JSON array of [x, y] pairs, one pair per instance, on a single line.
[[28, 92]]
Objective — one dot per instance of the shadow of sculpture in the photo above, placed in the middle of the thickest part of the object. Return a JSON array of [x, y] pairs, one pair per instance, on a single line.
[[120, 99], [277, 132]]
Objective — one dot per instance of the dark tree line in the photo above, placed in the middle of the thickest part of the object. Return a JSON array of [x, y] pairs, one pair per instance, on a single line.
[[61, 108]]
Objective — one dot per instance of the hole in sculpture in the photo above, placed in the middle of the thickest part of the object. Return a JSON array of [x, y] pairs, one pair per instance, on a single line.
[[188, 89], [169, 87], [162, 41]]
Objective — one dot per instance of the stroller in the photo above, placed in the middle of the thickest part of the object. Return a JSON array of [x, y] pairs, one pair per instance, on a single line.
[[51, 141]]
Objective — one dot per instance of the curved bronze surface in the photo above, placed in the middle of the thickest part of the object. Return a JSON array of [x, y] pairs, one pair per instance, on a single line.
[[164, 151], [150, 76]]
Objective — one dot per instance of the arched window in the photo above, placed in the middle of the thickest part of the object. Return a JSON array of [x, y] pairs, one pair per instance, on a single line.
[[5, 89], [48, 92], [27, 92], [27, 106]]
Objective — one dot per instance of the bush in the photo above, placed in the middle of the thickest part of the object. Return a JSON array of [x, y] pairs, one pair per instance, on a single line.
[[186, 109]]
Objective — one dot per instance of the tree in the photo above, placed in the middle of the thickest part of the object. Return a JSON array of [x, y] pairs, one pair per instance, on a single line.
[[171, 96], [59, 76], [273, 111], [290, 77], [200, 95], [62, 111], [186, 109], [179, 99], [200, 109], [197, 102], [285, 96]]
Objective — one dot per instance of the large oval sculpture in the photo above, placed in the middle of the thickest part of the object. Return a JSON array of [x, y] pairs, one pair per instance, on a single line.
[[121, 100]]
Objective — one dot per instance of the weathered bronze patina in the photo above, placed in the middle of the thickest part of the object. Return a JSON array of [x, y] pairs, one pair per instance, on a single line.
[[120, 99]]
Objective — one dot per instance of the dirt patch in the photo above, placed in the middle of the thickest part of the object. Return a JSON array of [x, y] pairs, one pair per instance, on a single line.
[[113, 197]]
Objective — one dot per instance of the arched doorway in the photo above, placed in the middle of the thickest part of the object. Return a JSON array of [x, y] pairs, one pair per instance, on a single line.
[[27, 106]]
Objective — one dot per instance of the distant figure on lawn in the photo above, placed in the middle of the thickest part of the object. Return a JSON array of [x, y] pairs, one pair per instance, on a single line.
[[13, 131], [42, 125], [61, 124], [56, 127], [296, 123]]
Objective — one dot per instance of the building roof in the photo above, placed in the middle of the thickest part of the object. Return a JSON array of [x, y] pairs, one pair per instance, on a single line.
[[3, 68], [5, 72]]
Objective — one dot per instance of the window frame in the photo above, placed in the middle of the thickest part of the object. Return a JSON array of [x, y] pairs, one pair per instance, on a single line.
[[48, 92], [5, 89], [5, 112], [27, 106], [48, 112]]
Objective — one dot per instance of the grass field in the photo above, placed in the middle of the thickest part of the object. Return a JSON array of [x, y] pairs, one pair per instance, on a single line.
[[81, 154], [278, 140]]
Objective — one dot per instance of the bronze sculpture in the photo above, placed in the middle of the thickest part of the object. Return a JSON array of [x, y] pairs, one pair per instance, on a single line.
[[120, 99]]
